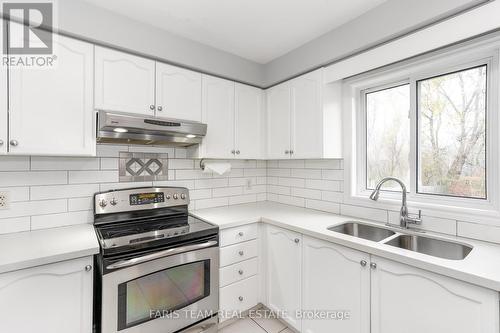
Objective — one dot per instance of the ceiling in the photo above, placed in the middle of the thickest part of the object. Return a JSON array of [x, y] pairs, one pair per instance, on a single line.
[[258, 30]]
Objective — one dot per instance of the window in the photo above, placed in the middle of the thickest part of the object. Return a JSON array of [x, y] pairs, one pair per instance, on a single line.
[[441, 150], [452, 134], [388, 135]]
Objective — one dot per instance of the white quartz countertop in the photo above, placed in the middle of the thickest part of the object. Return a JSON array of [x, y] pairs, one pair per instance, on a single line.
[[33, 248], [480, 267]]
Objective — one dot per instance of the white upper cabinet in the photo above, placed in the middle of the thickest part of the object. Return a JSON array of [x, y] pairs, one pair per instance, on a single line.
[[124, 82], [51, 109], [412, 300], [218, 114], [335, 278], [283, 279], [307, 116], [3, 103], [57, 297], [178, 93], [249, 136], [278, 121], [304, 118]]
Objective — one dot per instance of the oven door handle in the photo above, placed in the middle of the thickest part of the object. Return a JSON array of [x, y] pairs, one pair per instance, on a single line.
[[160, 254]]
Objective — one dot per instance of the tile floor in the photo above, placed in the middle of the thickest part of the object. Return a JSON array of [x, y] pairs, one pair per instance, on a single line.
[[256, 325]]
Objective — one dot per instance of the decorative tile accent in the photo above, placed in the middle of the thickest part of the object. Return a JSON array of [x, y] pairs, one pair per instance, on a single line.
[[140, 167]]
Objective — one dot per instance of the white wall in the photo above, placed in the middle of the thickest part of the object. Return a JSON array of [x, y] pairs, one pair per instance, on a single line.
[[387, 21]]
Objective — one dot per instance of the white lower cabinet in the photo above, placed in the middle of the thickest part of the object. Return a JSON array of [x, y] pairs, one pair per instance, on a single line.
[[239, 270], [55, 298], [336, 285], [372, 294], [283, 269], [404, 298]]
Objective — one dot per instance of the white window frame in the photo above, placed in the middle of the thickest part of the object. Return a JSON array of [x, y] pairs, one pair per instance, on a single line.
[[354, 122]]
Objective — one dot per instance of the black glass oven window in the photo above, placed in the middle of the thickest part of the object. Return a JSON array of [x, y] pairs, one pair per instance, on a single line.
[[139, 300]]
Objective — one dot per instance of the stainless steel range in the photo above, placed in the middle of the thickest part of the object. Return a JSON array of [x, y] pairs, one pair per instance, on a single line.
[[157, 270]]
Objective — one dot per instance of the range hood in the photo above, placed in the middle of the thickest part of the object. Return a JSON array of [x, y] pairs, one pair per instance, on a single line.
[[115, 127]]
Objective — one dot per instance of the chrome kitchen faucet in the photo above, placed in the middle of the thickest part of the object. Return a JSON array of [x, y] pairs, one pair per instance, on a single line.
[[404, 218]]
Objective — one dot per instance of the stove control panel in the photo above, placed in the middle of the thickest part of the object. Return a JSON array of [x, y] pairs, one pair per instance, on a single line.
[[140, 199]]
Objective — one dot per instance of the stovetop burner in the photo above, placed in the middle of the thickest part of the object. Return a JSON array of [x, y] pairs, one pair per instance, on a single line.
[[126, 226]]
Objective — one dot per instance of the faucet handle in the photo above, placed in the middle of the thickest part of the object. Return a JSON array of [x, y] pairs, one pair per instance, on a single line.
[[414, 219]]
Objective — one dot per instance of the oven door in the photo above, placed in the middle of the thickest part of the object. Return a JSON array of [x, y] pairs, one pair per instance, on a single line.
[[163, 291]]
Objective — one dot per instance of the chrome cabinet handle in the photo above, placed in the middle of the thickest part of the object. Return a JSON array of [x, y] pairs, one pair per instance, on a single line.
[[152, 107], [237, 152], [14, 143], [291, 152], [240, 298], [1, 142], [287, 152], [363, 263], [160, 108], [160, 254], [240, 272], [88, 268], [240, 234], [241, 253], [296, 240], [233, 151], [373, 265]]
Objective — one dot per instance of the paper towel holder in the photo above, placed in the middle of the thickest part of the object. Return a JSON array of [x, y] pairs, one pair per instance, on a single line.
[[202, 163]]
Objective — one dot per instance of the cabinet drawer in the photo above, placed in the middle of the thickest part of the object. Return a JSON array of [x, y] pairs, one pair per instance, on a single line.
[[238, 234], [239, 296], [238, 271], [238, 252]]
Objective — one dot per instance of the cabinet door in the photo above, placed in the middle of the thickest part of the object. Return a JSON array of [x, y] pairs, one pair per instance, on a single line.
[[218, 114], [283, 280], [51, 110], [178, 93], [54, 298], [412, 300], [336, 281], [124, 82], [3, 102], [307, 116], [278, 121], [249, 133]]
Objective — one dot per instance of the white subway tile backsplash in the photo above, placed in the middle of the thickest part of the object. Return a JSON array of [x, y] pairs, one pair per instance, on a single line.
[[200, 194], [255, 172], [93, 177], [26, 178], [279, 189], [333, 174], [30, 208], [278, 172], [255, 189], [109, 163], [364, 212], [180, 153], [227, 191], [323, 164], [488, 233], [291, 164], [211, 183], [68, 163], [79, 204], [296, 182], [288, 200], [326, 206], [16, 224], [306, 173], [63, 191], [117, 186], [209, 203], [180, 164], [242, 199], [14, 163], [306, 193], [104, 150], [327, 185], [60, 220], [332, 196], [190, 174], [17, 193]]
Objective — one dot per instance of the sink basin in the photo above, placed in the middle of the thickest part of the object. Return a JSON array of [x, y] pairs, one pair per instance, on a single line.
[[362, 230], [431, 246]]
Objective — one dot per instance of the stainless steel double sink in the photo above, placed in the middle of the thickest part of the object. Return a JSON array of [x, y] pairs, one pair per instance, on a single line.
[[417, 243]]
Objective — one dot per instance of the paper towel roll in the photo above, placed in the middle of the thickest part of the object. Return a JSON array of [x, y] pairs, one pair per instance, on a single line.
[[219, 168]]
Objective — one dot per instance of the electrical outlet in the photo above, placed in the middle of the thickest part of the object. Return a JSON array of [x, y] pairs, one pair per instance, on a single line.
[[4, 200], [249, 183]]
